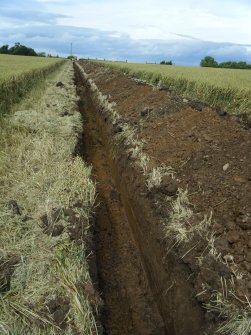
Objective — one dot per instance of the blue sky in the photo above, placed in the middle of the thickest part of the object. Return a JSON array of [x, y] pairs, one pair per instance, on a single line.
[[145, 30]]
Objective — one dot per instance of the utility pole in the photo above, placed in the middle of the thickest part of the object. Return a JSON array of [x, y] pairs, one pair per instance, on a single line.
[[71, 48]]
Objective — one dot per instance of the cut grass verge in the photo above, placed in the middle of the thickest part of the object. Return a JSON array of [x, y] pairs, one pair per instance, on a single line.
[[47, 201]]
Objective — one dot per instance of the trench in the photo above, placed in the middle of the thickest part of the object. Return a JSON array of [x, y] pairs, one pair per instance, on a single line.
[[129, 306], [146, 288]]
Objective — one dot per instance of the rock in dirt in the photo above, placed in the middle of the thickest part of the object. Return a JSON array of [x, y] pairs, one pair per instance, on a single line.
[[14, 207], [225, 167]]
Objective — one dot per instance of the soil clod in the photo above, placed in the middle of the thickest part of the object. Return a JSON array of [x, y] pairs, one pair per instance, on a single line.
[[59, 84], [7, 268], [14, 207]]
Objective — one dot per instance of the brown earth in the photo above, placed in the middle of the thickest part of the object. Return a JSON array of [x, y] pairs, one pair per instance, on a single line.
[[211, 156], [197, 144], [129, 305]]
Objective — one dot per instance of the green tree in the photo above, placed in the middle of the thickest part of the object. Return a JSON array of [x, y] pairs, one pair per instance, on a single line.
[[19, 49], [4, 49], [208, 61]]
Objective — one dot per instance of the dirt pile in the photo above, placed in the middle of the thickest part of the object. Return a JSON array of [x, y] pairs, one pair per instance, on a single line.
[[210, 154]]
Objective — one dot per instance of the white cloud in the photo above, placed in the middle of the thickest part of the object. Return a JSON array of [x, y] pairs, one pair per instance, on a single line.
[[227, 20]]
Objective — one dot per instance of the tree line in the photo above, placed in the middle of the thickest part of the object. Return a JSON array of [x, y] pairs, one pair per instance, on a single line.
[[209, 61], [19, 49]]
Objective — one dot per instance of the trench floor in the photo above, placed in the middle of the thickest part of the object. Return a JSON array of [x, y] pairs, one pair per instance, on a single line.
[[129, 307]]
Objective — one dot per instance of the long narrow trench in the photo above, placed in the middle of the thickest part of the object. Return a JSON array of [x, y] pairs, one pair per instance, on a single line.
[[129, 307]]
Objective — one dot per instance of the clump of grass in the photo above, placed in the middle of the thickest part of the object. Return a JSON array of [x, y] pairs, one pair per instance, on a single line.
[[155, 176], [235, 322], [38, 172]]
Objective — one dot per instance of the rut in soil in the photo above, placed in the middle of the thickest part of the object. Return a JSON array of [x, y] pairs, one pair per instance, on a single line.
[[129, 307]]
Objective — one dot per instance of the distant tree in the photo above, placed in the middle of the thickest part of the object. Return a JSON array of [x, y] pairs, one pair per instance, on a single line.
[[4, 49], [19, 49], [234, 65], [41, 54], [163, 62], [208, 61]]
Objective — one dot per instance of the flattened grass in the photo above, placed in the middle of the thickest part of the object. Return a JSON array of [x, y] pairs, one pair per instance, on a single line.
[[39, 173]]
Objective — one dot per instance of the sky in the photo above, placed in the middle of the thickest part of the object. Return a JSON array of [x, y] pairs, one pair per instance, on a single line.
[[184, 31]]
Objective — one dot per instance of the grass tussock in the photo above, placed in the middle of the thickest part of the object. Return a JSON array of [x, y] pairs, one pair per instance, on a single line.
[[43, 275]]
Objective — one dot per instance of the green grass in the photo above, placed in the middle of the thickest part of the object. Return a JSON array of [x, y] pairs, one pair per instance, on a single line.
[[19, 74], [225, 88]]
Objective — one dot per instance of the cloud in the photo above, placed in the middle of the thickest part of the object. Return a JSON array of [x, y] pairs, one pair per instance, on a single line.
[[29, 16], [95, 43], [143, 30]]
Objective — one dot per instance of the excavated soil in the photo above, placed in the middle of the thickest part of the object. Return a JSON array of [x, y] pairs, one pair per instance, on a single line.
[[145, 289], [129, 305]]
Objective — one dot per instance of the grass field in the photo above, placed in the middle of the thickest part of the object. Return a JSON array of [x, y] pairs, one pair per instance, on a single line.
[[225, 88], [18, 74]]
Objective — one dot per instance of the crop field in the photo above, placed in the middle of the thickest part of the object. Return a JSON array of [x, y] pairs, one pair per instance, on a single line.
[[238, 79], [12, 66], [18, 74], [225, 88]]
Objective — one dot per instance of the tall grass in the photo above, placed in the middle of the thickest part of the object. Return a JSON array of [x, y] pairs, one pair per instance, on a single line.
[[19, 76], [224, 88]]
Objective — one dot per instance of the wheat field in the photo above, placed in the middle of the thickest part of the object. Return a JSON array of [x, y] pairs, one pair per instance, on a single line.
[[224, 88]]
